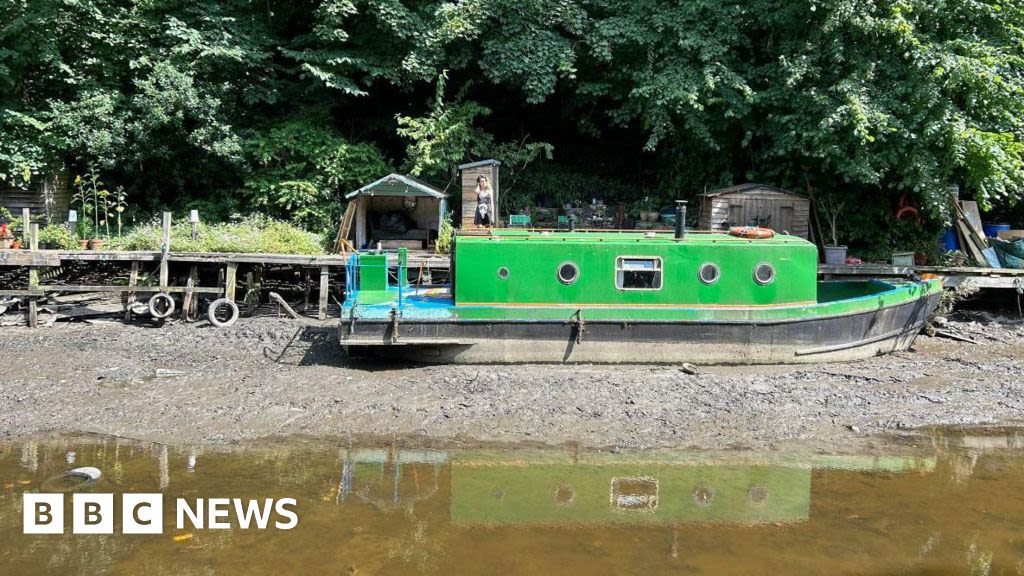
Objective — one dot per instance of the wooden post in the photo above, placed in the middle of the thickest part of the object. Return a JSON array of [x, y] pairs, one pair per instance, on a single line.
[[254, 284], [230, 279], [305, 290], [133, 281], [32, 234], [33, 312], [26, 223], [188, 303], [165, 247], [324, 282]]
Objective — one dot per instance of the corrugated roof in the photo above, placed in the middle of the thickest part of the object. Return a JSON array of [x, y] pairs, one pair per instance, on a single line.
[[739, 188], [479, 163], [397, 185]]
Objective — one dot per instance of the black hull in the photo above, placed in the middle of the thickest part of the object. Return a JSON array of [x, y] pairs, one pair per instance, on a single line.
[[845, 337]]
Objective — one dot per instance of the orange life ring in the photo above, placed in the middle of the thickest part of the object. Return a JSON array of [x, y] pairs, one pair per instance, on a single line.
[[755, 232]]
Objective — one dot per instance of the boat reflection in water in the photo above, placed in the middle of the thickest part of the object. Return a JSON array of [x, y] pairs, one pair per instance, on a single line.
[[598, 488], [950, 503]]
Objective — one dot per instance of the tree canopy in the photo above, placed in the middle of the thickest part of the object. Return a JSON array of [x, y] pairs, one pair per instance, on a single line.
[[281, 106]]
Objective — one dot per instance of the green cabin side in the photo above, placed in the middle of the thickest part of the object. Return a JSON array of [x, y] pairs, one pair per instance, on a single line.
[[628, 493], [632, 269]]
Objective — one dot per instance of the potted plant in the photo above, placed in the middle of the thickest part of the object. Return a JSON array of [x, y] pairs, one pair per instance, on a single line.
[[90, 195], [832, 208], [646, 209], [56, 237]]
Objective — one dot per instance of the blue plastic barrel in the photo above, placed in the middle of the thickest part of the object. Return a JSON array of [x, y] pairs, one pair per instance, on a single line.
[[949, 240], [993, 230]]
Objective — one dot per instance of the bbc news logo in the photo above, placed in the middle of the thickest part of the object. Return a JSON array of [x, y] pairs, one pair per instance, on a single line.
[[143, 513]]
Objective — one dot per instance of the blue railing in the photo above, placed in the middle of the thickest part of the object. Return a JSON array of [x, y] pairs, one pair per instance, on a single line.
[[351, 269]]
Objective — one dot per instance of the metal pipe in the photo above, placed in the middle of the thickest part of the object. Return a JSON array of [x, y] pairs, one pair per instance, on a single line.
[[680, 218]]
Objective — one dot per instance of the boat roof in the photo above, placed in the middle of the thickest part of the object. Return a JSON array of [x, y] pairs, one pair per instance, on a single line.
[[616, 236]]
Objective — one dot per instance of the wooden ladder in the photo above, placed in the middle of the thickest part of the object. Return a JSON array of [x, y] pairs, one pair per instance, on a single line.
[[343, 245]]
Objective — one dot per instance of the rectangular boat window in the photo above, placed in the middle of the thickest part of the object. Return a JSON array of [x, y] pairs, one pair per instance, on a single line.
[[635, 494], [637, 273]]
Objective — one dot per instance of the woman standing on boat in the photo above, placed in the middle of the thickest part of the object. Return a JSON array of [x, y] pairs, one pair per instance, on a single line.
[[484, 203]]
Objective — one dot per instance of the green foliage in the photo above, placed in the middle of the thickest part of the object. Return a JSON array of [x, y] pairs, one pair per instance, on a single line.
[[515, 158], [57, 235], [238, 106], [95, 202], [445, 236], [551, 180], [301, 169], [256, 234], [445, 136], [13, 222], [645, 204]]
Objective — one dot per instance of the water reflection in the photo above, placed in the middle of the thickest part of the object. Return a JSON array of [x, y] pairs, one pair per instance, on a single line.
[[951, 503]]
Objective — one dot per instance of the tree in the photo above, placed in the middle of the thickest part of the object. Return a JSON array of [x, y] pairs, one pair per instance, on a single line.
[[183, 102]]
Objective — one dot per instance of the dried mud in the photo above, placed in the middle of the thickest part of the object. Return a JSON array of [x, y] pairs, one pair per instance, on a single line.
[[192, 383]]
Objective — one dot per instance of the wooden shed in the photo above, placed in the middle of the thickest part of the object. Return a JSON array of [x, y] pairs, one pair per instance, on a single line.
[[756, 205], [49, 198], [398, 211], [470, 172]]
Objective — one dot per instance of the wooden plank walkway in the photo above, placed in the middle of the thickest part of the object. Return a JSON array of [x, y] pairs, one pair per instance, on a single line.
[[54, 258], [327, 267], [35, 259], [951, 276]]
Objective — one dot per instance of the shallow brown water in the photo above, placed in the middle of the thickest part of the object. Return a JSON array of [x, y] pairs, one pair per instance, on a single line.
[[947, 504]]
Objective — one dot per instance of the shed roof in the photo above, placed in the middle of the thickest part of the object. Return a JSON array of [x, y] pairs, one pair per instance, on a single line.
[[740, 188], [479, 163], [397, 185]]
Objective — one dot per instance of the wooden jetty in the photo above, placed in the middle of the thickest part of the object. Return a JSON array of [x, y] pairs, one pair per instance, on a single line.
[[325, 266], [952, 277]]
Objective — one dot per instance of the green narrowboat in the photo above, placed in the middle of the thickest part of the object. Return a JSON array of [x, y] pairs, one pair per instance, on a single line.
[[614, 297]]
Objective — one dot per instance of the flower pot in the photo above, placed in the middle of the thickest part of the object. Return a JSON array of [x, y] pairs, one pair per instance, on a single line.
[[95, 244], [16, 245], [835, 255], [650, 216], [902, 258], [5, 243], [83, 244]]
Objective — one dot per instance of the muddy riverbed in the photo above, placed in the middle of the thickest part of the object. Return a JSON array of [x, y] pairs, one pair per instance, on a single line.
[[191, 383]]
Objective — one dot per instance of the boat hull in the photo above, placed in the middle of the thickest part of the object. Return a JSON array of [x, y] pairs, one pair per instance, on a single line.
[[842, 337]]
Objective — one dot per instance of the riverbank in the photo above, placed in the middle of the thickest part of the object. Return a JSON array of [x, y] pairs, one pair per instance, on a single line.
[[191, 383]]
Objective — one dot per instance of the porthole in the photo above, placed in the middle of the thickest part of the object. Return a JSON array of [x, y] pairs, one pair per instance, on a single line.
[[568, 272], [503, 272], [564, 495], [758, 495], [764, 273], [703, 495], [708, 273]]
